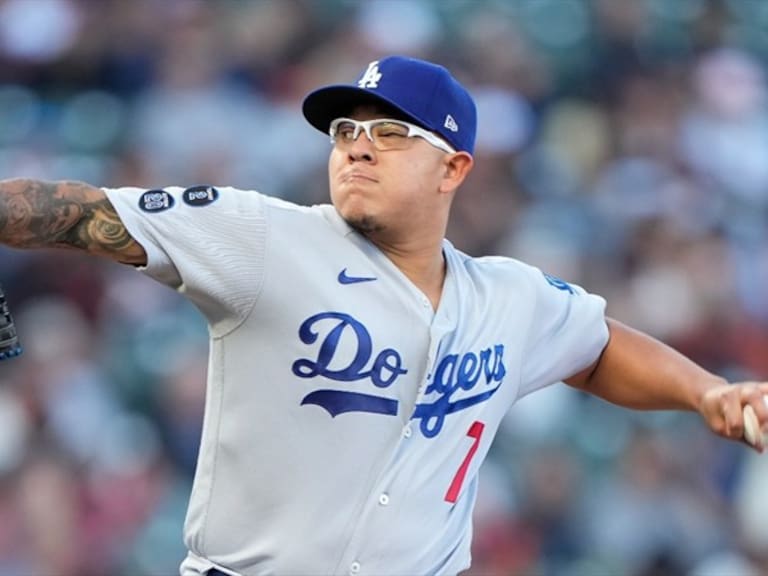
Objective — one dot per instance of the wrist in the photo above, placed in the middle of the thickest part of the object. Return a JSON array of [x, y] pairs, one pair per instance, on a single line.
[[705, 388]]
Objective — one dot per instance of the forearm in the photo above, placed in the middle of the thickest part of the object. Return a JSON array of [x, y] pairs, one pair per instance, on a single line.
[[75, 215], [35, 214], [640, 372]]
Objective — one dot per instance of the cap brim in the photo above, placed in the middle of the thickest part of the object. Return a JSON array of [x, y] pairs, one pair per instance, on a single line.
[[326, 104]]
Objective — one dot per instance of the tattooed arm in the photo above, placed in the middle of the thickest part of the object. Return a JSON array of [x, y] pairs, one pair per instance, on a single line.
[[37, 214]]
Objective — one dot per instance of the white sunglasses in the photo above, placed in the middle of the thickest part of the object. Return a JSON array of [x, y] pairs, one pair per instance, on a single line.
[[384, 133]]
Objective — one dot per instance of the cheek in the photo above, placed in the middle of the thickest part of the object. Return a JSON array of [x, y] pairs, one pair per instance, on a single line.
[[334, 165], [421, 176]]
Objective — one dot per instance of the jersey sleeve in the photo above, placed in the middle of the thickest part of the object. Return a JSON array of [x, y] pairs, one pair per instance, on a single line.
[[207, 243], [568, 332]]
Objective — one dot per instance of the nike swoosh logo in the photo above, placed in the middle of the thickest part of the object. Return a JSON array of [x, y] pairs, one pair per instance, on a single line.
[[345, 279]]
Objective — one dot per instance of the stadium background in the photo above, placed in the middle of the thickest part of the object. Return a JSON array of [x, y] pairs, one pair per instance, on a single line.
[[623, 146]]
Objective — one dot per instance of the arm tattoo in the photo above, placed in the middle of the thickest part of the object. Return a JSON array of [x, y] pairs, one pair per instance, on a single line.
[[64, 215]]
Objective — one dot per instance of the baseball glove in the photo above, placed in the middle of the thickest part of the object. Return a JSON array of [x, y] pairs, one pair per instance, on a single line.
[[9, 341]]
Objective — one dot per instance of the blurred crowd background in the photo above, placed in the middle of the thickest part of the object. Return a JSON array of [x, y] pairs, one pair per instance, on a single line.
[[623, 146]]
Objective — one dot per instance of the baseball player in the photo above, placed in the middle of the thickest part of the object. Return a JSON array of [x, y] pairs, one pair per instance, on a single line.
[[359, 363]]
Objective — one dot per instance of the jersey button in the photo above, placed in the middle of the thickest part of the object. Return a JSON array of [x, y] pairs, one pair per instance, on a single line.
[[354, 568], [384, 499], [407, 431]]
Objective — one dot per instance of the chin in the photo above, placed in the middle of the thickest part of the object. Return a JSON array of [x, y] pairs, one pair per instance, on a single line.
[[353, 209], [364, 224]]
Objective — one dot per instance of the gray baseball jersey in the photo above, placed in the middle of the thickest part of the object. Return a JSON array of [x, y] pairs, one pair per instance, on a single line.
[[345, 420]]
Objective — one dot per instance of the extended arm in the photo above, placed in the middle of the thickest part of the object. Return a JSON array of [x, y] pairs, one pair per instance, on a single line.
[[75, 215], [637, 371]]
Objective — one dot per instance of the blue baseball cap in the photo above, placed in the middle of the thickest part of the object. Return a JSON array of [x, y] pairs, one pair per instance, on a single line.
[[424, 93]]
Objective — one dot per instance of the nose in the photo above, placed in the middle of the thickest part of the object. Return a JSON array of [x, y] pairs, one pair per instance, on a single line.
[[361, 149]]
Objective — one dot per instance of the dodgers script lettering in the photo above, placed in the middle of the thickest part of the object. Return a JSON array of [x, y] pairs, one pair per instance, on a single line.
[[345, 353], [387, 366], [454, 373]]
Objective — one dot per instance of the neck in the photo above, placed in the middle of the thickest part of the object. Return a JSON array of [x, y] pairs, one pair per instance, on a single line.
[[424, 265]]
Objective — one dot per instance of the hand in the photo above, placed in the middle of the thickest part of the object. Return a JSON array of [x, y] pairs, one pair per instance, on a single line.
[[722, 408]]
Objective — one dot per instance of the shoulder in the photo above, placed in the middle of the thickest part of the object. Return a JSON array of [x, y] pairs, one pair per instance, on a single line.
[[192, 199], [320, 216], [490, 266], [506, 274]]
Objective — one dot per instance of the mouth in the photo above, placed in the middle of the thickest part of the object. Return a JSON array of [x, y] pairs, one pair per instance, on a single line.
[[357, 177]]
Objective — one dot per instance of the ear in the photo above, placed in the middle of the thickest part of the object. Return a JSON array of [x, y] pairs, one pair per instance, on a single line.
[[457, 166]]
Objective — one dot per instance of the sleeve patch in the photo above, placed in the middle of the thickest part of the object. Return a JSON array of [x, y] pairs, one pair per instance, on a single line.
[[156, 201], [200, 195]]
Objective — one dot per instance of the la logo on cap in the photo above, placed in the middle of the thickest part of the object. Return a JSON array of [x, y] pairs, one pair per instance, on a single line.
[[371, 77]]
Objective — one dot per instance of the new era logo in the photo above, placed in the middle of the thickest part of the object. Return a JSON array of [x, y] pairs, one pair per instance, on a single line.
[[371, 77], [450, 124]]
